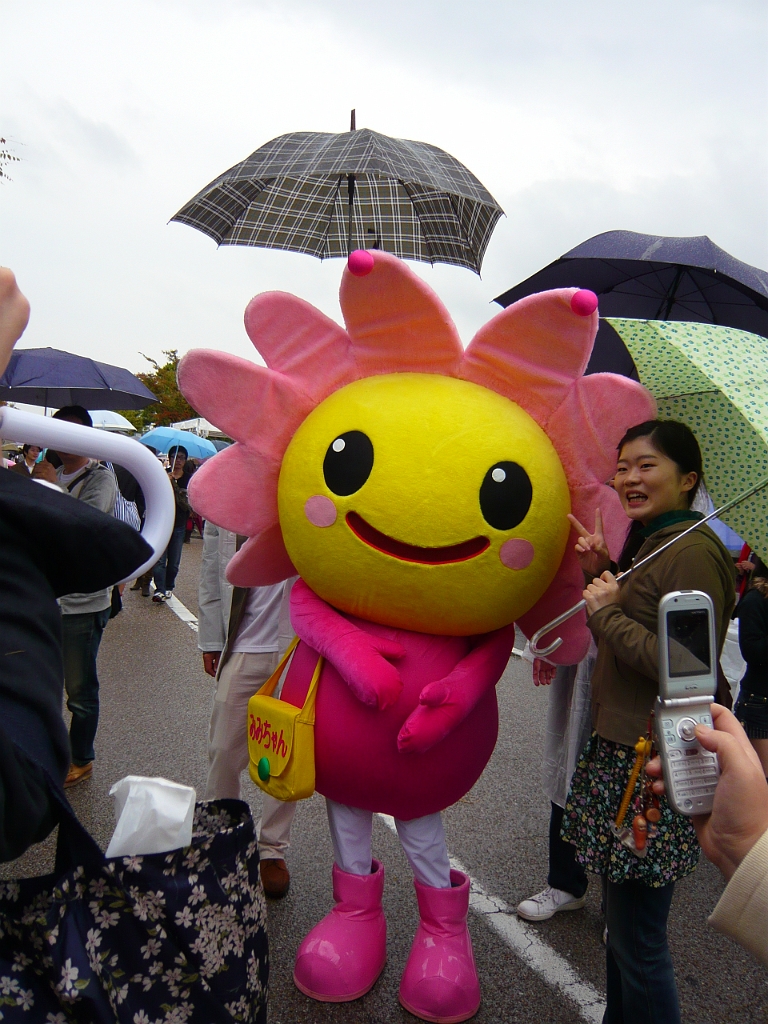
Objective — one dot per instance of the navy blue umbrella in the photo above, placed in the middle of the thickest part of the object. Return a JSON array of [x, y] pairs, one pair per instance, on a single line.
[[653, 277], [49, 377]]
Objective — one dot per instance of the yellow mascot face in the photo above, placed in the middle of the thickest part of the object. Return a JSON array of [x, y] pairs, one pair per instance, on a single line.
[[424, 502]]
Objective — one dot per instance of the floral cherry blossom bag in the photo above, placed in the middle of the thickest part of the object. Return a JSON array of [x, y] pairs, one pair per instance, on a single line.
[[177, 936]]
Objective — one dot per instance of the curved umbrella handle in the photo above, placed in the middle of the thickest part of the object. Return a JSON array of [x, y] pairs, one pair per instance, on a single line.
[[27, 428], [533, 643]]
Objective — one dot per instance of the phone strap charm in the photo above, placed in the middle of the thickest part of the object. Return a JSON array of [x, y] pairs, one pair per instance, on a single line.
[[636, 837]]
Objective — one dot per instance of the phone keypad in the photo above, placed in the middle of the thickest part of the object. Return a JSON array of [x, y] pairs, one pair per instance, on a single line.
[[694, 770]]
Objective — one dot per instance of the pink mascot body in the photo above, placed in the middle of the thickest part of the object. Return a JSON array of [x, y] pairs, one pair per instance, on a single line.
[[421, 493]]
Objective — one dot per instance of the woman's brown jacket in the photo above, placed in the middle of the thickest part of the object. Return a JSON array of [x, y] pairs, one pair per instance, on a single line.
[[626, 676]]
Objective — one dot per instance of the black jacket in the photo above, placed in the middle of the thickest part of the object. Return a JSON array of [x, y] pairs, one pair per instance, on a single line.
[[50, 545], [752, 614]]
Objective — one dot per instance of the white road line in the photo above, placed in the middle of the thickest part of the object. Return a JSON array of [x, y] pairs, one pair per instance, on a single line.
[[528, 945], [519, 936], [182, 612]]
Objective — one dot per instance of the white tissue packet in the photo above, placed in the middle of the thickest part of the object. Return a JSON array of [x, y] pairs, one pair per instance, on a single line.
[[153, 816]]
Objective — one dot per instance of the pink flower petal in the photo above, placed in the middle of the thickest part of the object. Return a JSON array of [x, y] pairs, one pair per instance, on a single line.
[[237, 489], [261, 561], [396, 322], [298, 340], [532, 352], [245, 400], [596, 413]]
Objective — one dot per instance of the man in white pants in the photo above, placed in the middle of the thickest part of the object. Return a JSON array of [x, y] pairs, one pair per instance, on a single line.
[[242, 634]]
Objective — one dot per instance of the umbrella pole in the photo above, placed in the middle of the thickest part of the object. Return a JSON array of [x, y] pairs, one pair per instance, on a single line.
[[350, 191], [542, 652], [662, 313]]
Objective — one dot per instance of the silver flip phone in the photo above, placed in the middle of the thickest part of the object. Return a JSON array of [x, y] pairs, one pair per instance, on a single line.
[[687, 685]]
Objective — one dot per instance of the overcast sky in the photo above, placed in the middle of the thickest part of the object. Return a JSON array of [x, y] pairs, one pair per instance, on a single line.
[[578, 118]]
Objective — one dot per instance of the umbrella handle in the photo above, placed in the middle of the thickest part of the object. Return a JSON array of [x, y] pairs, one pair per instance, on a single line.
[[27, 428]]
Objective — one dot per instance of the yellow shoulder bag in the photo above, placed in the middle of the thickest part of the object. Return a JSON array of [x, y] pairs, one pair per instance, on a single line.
[[281, 738]]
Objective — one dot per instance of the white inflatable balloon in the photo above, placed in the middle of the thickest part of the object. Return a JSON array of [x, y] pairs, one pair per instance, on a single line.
[[27, 428]]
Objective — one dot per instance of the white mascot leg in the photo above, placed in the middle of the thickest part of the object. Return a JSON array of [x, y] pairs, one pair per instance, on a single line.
[[440, 981], [344, 954]]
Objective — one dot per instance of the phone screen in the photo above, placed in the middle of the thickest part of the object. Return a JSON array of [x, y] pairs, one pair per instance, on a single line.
[[689, 647]]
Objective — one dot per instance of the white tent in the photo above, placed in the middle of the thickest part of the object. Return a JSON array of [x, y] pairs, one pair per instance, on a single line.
[[199, 426]]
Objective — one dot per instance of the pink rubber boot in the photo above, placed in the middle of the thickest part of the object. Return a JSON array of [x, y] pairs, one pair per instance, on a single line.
[[344, 954], [440, 981]]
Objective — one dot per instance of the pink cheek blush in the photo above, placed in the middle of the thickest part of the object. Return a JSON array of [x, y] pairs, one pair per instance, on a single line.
[[516, 553], [360, 263], [320, 511]]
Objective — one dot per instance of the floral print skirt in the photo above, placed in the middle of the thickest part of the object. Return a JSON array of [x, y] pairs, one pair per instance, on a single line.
[[598, 784]]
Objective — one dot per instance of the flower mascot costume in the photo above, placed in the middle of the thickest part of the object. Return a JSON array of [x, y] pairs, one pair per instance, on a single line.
[[420, 491]]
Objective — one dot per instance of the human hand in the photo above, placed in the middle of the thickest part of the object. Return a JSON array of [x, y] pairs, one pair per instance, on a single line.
[[543, 672], [740, 810], [44, 471], [591, 548], [14, 315], [211, 661], [746, 566], [602, 592]]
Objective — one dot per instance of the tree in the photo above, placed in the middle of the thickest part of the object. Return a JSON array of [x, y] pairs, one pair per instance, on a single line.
[[6, 157], [171, 406]]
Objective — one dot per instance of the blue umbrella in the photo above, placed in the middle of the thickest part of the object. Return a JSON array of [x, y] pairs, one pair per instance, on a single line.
[[52, 378], [163, 438]]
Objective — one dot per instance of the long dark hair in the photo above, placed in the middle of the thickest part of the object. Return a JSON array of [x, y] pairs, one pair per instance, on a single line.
[[678, 443]]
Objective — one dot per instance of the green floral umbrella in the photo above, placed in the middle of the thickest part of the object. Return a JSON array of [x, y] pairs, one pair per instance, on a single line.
[[715, 379]]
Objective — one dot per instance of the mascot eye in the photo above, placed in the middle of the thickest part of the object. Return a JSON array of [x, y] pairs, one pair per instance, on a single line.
[[505, 495], [348, 462]]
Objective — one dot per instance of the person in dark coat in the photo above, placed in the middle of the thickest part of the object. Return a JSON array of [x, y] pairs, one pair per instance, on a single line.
[[752, 705], [52, 545]]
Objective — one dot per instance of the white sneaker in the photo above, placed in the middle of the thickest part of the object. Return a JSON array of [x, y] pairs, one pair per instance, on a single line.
[[547, 903], [158, 597]]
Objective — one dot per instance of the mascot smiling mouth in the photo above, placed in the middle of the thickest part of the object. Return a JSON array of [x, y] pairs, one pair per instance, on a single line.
[[410, 552]]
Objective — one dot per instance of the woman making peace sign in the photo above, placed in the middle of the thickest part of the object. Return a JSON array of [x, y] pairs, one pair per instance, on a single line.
[[658, 473]]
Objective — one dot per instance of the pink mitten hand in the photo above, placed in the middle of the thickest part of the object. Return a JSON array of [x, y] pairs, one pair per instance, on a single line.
[[435, 717], [361, 660], [446, 702]]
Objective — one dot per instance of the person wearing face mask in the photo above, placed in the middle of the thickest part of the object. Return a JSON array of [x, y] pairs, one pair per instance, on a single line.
[[659, 470]]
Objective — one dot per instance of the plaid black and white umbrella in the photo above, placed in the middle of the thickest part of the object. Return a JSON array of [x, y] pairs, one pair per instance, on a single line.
[[326, 195]]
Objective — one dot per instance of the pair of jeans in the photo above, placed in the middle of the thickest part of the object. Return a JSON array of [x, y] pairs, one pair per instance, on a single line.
[[565, 872], [640, 981], [167, 566], [80, 638]]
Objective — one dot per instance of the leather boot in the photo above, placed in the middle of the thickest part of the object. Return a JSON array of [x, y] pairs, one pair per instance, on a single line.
[[344, 954]]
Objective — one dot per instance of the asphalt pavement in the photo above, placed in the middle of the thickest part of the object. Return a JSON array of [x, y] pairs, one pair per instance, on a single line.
[[155, 706]]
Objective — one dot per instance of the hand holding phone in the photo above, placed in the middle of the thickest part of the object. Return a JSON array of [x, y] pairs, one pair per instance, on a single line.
[[687, 685]]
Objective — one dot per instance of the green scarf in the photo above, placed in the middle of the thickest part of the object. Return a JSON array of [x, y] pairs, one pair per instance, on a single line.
[[670, 519]]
